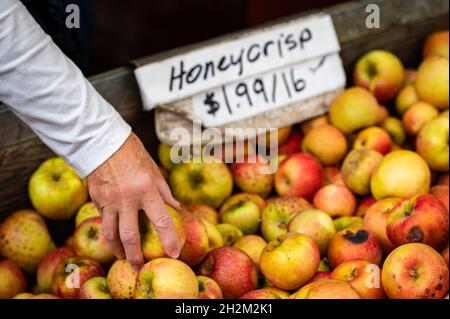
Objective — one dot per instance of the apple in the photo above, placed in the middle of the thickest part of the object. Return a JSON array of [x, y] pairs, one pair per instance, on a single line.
[[299, 175], [364, 206], [375, 221], [381, 72], [352, 244], [253, 246], [244, 214], [410, 76], [354, 109], [335, 200], [47, 267], [197, 243], [417, 116], [332, 175], [383, 115], [260, 294], [232, 269], [121, 280], [421, 219], [214, 236], [281, 294], [309, 125], [258, 200], [443, 180], [432, 144], [415, 271], [345, 222], [444, 254], [12, 280], [327, 289], [24, 239], [88, 240], [230, 234], [165, 278], [320, 275], [326, 143], [23, 295], [436, 44], [151, 245], [432, 82], [406, 98], [315, 224], [208, 288], [164, 156], [292, 144], [253, 176], [208, 182], [373, 138], [358, 168], [71, 273], [395, 129], [204, 211], [441, 192], [56, 191], [86, 211], [362, 276], [95, 288], [290, 260], [400, 174], [278, 213]]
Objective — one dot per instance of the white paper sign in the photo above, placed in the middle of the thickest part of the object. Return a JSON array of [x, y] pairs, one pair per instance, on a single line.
[[250, 97], [257, 53]]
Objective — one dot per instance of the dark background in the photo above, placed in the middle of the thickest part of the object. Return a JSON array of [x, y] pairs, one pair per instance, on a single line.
[[130, 29]]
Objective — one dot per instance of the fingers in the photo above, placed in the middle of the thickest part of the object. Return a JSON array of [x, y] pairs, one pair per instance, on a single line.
[[157, 213], [130, 236], [166, 194], [111, 233]]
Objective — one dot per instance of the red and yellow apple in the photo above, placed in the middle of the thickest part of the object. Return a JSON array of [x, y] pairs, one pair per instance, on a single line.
[[326, 143], [373, 138], [335, 200], [12, 280], [121, 280], [208, 288]]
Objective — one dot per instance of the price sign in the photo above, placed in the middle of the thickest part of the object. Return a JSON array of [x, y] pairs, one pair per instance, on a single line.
[[262, 68], [250, 97]]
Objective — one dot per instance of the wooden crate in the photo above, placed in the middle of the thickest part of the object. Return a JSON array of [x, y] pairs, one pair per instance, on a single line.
[[404, 26]]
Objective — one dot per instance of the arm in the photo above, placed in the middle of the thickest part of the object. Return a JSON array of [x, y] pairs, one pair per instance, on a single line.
[[49, 93]]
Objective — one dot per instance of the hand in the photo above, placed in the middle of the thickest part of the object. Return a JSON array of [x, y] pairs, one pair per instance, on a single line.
[[126, 183]]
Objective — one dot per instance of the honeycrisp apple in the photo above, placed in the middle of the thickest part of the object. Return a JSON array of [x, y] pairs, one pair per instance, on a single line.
[[209, 182], [290, 260], [232, 269], [299, 175], [373, 138], [354, 109], [358, 168], [95, 288], [12, 280], [353, 244], [164, 278], [400, 174], [25, 240], [121, 280], [414, 271], [86, 211], [71, 273], [432, 83], [88, 240], [421, 219], [151, 245], [47, 267], [432, 144], [56, 191], [208, 288], [335, 200], [326, 143], [277, 215], [253, 176], [197, 243], [381, 72]]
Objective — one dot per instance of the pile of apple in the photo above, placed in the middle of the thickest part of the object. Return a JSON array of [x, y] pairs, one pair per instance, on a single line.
[[358, 208]]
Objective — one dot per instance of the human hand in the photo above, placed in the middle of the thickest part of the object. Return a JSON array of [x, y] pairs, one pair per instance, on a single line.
[[130, 181]]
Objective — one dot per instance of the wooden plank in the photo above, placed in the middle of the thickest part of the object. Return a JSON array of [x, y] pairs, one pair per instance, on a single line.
[[405, 24]]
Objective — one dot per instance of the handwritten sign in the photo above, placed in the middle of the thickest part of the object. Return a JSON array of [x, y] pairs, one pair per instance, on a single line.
[[259, 94], [242, 58]]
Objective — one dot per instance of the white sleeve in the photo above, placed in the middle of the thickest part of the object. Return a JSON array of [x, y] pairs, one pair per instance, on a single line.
[[50, 94]]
